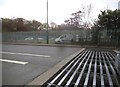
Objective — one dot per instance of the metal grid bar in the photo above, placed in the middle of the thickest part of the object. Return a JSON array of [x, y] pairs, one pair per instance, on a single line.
[[66, 68], [80, 76], [107, 71], [112, 69], [89, 68], [101, 72], [68, 72], [111, 58], [88, 73], [95, 71], [73, 75]]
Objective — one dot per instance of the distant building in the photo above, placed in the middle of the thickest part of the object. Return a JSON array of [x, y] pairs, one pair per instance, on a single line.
[[119, 5]]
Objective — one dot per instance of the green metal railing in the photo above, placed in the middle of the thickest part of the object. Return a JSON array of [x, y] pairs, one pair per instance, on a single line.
[[85, 37]]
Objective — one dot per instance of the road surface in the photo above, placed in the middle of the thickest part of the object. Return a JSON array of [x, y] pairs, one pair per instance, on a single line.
[[23, 63]]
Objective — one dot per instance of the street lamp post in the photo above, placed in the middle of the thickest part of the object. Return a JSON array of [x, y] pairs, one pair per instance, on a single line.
[[47, 25]]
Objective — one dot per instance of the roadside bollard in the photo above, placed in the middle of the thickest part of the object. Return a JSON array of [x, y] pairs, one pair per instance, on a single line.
[[117, 60]]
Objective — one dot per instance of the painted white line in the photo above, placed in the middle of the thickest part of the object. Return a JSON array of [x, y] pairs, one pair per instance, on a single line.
[[13, 61], [25, 54]]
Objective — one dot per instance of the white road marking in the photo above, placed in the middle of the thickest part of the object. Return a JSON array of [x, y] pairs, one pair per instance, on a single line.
[[13, 61], [25, 54]]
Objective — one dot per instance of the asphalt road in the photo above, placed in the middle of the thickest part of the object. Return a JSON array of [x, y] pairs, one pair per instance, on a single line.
[[23, 63]]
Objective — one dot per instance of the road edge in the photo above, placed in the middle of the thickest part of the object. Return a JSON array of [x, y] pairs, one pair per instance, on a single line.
[[59, 45], [52, 45]]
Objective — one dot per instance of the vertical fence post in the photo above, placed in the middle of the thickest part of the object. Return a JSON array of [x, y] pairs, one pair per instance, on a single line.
[[47, 25]]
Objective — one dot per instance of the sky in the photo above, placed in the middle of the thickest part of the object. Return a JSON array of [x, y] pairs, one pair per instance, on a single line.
[[59, 10]]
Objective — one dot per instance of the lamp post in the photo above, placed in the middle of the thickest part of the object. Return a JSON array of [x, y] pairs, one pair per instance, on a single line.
[[47, 25]]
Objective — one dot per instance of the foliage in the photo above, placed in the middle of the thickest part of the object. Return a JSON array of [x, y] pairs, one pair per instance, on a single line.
[[20, 24], [95, 34], [109, 19]]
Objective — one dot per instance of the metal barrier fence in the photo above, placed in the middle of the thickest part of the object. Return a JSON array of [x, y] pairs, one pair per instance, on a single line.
[[39, 36], [85, 37]]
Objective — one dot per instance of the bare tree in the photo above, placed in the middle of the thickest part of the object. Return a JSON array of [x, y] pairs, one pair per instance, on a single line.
[[81, 18], [86, 13]]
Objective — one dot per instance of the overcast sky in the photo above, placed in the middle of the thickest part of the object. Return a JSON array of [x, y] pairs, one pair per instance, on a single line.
[[59, 10]]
